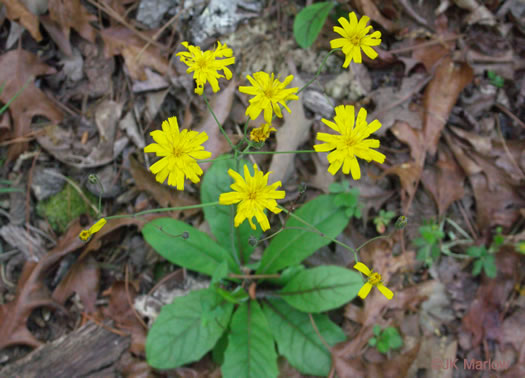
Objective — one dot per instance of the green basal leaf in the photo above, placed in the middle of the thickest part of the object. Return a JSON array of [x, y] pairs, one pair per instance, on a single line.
[[198, 252], [217, 353], [372, 342], [309, 22], [179, 325], [391, 334], [216, 180], [476, 251], [297, 340], [296, 242], [221, 272], [251, 350], [476, 269], [376, 330], [322, 288], [489, 266], [382, 346]]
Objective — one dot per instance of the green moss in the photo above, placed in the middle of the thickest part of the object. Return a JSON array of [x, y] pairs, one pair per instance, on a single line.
[[64, 207]]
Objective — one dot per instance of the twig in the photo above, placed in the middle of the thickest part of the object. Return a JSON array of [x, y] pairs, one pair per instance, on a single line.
[[507, 151], [424, 44], [510, 114]]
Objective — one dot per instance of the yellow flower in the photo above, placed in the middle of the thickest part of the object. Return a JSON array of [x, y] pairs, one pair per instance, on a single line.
[[374, 279], [355, 38], [269, 93], [261, 133], [179, 151], [254, 195], [86, 234], [205, 65], [352, 142]]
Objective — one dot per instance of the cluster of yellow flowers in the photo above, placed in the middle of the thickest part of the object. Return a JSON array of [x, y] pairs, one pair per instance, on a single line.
[[180, 150]]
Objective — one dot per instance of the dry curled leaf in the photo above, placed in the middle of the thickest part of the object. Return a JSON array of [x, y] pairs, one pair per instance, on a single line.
[[82, 278], [122, 41], [440, 96], [19, 68], [70, 14], [17, 11], [444, 180]]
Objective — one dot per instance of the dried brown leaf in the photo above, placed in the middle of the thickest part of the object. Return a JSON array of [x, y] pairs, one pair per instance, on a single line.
[[440, 96], [444, 181], [413, 137], [409, 175], [370, 9], [72, 14], [125, 318], [82, 278], [221, 104], [122, 41], [393, 104], [32, 293], [18, 67], [17, 11]]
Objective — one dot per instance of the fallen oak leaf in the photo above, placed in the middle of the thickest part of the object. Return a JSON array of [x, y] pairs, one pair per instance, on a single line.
[[72, 14], [19, 67], [32, 293], [82, 278]]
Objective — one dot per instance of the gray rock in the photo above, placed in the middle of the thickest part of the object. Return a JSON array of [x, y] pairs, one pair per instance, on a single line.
[[46, 184], [151, 12]]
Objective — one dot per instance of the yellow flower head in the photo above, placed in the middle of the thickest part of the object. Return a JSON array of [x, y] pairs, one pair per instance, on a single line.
[[179, 151], [374, 279], [261, 133], [355, 38], [86, 234], [205, 65], [254, 195], [268, 93], [351, 143]]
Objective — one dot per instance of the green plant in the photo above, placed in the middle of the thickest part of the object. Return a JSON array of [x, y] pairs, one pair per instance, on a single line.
[[347, 197], [429, 242], [495, 79], [386, 340], [8, 189], [484, 258], [309, 22], [383, 219], [223, 318]]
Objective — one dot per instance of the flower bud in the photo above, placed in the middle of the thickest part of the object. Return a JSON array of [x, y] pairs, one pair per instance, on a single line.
[[92, 178], [185, 235], [253, 241], [401, 222]]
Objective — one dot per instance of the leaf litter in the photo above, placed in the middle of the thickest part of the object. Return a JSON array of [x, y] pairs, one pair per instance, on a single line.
[[454, 150]]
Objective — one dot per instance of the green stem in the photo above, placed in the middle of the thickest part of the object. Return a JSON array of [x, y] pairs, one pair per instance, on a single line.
[[318, 71], [320, 233], [279, 152], [163, 209], [215, 159], [4, 108], [218, 123]]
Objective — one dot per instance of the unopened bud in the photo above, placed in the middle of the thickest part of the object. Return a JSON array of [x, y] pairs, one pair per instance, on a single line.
[[401, 222], [185, 235], [253, 241], [92, 178]]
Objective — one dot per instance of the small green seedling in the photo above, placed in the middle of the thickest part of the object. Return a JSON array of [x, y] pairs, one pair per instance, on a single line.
[[383, 220], [386, 340], [429, 243], [484, 258], [347, 198], [495, 79]]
